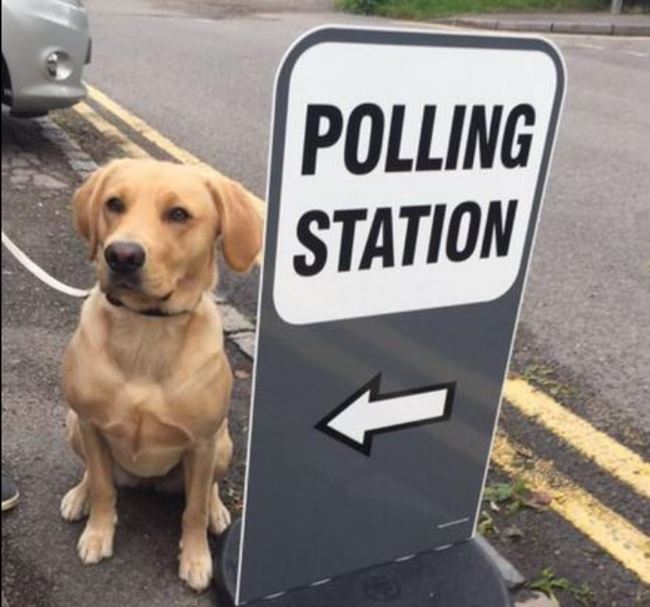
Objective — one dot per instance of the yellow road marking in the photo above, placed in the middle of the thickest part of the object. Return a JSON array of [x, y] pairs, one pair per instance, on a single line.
[[152, 135], [145, 130], [614, 534], [607, 453], [111, 132], [158, 139]]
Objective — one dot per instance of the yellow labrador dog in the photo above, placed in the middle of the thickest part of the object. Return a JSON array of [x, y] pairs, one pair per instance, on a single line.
[[145, 374]]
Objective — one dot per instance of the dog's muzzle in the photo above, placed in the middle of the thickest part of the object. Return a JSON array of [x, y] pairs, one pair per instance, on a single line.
[[125, 259]]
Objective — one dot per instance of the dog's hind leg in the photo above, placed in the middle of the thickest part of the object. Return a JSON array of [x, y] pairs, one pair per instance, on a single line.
[[75, 504], [219, 515]]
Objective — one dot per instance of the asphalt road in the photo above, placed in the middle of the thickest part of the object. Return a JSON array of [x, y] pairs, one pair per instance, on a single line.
[[203, 72]]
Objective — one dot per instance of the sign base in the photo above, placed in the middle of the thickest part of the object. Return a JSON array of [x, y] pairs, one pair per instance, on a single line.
[[462, 575]]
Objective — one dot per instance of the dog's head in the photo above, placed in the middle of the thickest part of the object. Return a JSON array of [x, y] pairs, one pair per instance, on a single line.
[[152, 227]]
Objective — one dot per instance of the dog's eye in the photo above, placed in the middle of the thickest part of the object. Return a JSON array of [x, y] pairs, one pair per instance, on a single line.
[[178, 215], [115, 205]]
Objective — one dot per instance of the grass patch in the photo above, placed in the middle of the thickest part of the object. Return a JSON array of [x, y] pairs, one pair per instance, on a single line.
[[545, 377], [427, 9], [511, 497], [514, 496]]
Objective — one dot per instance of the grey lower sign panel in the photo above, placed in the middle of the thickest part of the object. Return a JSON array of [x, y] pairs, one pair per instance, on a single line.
[[395, 260]]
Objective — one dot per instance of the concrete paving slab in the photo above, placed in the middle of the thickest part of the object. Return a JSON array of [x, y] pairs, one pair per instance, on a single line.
[[537, 599], [603, 29], [631, 30]]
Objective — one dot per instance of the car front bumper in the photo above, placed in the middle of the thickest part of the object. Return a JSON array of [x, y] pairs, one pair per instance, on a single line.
[[32, 32]]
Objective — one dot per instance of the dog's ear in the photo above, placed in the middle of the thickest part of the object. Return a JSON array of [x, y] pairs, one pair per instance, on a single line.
[[86, 205], [240, 222], [85, 210]]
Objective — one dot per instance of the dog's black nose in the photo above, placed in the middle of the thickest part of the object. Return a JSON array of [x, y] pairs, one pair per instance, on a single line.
[[124, 257]]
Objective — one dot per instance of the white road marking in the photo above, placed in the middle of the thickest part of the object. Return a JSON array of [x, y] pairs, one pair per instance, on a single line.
[[403, 559], [634, 53], [590, 46]]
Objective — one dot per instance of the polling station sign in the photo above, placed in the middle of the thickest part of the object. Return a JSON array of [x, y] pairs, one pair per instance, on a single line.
[[407, 174]]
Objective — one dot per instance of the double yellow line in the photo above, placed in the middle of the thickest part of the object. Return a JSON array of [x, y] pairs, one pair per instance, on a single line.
[[142, 129], [613, 533], [617, 536]]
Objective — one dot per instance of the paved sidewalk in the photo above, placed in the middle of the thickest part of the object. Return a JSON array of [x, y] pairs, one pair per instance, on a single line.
[[602, 23]]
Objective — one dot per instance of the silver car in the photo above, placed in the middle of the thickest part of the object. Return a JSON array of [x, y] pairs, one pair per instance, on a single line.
[[45, 45]]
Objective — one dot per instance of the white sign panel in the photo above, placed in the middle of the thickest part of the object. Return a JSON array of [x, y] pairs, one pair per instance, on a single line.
[[402, 190]]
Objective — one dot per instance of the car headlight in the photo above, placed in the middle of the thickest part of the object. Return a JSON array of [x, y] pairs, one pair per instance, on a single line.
[[58, 65]]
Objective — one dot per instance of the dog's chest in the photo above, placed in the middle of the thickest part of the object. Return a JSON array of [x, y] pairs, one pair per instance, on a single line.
[[149, 353], [146, 434], [151, 390]]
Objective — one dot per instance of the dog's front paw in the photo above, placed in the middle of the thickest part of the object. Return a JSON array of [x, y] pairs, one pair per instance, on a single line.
[[95, 544], [74, 505], [196, 567]]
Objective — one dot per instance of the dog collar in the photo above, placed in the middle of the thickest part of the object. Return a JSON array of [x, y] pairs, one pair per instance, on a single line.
[[154, 312]]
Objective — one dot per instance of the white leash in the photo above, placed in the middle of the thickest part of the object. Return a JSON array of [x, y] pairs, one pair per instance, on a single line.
[[41, 274]]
